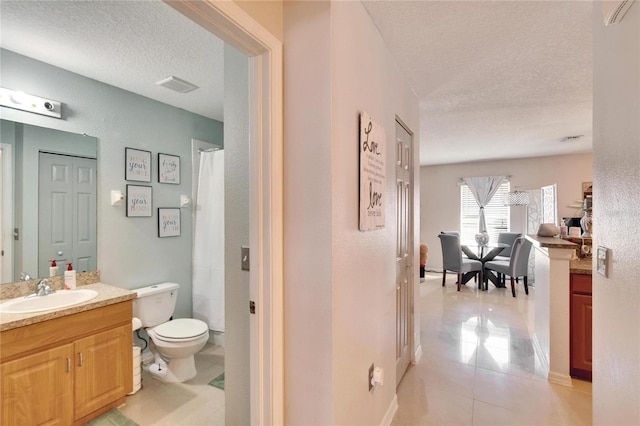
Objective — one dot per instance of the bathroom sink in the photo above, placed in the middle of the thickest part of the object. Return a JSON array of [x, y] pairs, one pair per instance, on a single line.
[[57, 300]]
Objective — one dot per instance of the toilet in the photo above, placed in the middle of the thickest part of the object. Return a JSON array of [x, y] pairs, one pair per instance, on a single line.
[[174, 342]]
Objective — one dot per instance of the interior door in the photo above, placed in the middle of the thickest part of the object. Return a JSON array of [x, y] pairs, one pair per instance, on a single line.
[[66, 213], [404, 249], [6, 214]]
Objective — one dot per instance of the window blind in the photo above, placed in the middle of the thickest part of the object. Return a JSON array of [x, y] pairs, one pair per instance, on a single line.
[[496, 214]]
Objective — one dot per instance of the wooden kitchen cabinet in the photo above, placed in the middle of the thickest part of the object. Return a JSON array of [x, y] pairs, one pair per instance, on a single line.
[[581, 326], [69, 370]]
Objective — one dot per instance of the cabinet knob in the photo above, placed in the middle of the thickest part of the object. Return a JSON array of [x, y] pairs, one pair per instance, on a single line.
[[80, 359]]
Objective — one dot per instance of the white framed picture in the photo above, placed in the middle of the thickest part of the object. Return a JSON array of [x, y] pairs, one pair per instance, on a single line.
[[168, 222], [168, 168], [139, 201]]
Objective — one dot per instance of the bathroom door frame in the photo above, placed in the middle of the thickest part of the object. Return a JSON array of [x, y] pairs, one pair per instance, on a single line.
[[234, 26]]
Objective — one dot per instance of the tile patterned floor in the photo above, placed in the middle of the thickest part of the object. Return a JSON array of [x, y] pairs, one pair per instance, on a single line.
[[181, 404], [479, 366]]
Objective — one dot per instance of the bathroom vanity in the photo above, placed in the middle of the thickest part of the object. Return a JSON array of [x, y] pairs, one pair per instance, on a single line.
[[67, 366]]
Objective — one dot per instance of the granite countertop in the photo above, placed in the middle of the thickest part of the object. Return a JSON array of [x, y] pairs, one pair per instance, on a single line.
[[107, 295], [581, 266], [550, 242]]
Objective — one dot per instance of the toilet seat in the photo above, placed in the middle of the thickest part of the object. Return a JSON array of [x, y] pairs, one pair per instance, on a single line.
[[180, 330]]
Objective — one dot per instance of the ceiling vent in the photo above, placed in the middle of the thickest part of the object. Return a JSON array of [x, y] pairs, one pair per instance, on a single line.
[[571, 138], [177, 84], [613, 10]]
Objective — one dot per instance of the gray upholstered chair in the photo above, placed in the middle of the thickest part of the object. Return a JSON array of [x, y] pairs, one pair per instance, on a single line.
[[505, 254], [453, 261], [507, 238], [517, 264]]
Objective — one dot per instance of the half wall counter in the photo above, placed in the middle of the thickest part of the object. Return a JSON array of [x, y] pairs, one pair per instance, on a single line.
[[552, 307]]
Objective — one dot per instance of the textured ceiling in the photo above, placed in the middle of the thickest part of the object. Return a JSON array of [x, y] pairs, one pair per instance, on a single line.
[[495, 79], [127, 44]]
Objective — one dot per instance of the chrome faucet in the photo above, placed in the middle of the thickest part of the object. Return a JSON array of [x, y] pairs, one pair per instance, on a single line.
[[43, 288]]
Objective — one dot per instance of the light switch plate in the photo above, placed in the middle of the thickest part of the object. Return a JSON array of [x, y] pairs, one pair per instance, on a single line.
[[602, 261], [244, 258]]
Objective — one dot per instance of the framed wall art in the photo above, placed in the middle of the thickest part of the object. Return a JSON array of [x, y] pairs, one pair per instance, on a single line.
[[168, 168], [373, 141], [137, 165], [139, 201], [168, 222]]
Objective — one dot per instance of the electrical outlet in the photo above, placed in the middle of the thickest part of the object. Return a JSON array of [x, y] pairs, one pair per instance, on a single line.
[[370, 381]]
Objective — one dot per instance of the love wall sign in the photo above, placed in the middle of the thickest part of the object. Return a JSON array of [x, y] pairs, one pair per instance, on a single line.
[[372, 174]]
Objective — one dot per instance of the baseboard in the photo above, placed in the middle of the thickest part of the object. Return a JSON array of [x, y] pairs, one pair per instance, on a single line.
[[216, 338], [560, 379], [417, 355], [391, 411], [552, 376], [543, 359]]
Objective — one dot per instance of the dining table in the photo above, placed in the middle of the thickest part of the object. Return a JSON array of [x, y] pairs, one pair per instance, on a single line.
[[483, 253]]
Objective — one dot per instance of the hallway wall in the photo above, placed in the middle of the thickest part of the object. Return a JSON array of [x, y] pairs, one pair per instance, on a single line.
[[616, 195], [340, 290]]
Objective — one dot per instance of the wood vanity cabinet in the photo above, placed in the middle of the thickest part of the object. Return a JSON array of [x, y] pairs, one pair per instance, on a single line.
[[69, 370], [581, 326]]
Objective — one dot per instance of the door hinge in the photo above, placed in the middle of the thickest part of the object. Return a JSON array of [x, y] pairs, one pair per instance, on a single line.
[[252, 307]]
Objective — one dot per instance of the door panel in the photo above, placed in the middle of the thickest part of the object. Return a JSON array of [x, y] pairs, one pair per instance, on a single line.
[[104, 367], [55, 199], [38, 389], [67, 213], [404, 250]]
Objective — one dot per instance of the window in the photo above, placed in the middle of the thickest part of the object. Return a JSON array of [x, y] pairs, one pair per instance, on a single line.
[[496, 214]]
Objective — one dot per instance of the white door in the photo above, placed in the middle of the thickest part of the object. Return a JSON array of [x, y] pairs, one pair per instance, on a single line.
[[6, 214], [66, 213], [404, 250]]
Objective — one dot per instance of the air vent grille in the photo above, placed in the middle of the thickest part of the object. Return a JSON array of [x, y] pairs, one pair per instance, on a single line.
[[177, 84]]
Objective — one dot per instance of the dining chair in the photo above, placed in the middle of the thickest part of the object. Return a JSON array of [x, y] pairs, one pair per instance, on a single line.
[[516, 266], [453, 261], [507, 238]]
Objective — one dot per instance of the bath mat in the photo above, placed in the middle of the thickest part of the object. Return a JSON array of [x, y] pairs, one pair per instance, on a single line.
[[218, 382], [112, 418]]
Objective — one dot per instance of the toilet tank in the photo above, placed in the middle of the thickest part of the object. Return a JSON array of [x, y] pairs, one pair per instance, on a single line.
[[155, 304]]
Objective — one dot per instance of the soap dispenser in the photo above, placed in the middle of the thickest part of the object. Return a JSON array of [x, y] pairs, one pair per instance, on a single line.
[[70, 277], [53, 269]]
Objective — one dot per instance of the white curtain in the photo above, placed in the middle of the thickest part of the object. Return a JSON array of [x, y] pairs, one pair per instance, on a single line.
[[208, 244], [483, 189]]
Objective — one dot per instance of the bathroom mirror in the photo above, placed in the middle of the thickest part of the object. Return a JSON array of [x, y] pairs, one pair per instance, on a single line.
[[49, 211]]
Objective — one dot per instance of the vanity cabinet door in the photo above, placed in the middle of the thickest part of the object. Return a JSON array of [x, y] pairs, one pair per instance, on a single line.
[[38, 389], [103, 369]]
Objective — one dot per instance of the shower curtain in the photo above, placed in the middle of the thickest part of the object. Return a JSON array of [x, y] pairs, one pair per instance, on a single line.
[[208, 245]]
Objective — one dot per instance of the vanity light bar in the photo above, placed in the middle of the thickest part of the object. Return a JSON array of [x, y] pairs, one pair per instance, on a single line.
[[24, 102]]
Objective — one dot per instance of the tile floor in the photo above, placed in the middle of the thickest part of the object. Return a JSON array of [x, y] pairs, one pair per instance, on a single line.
[[191, 403], [479, 366]]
